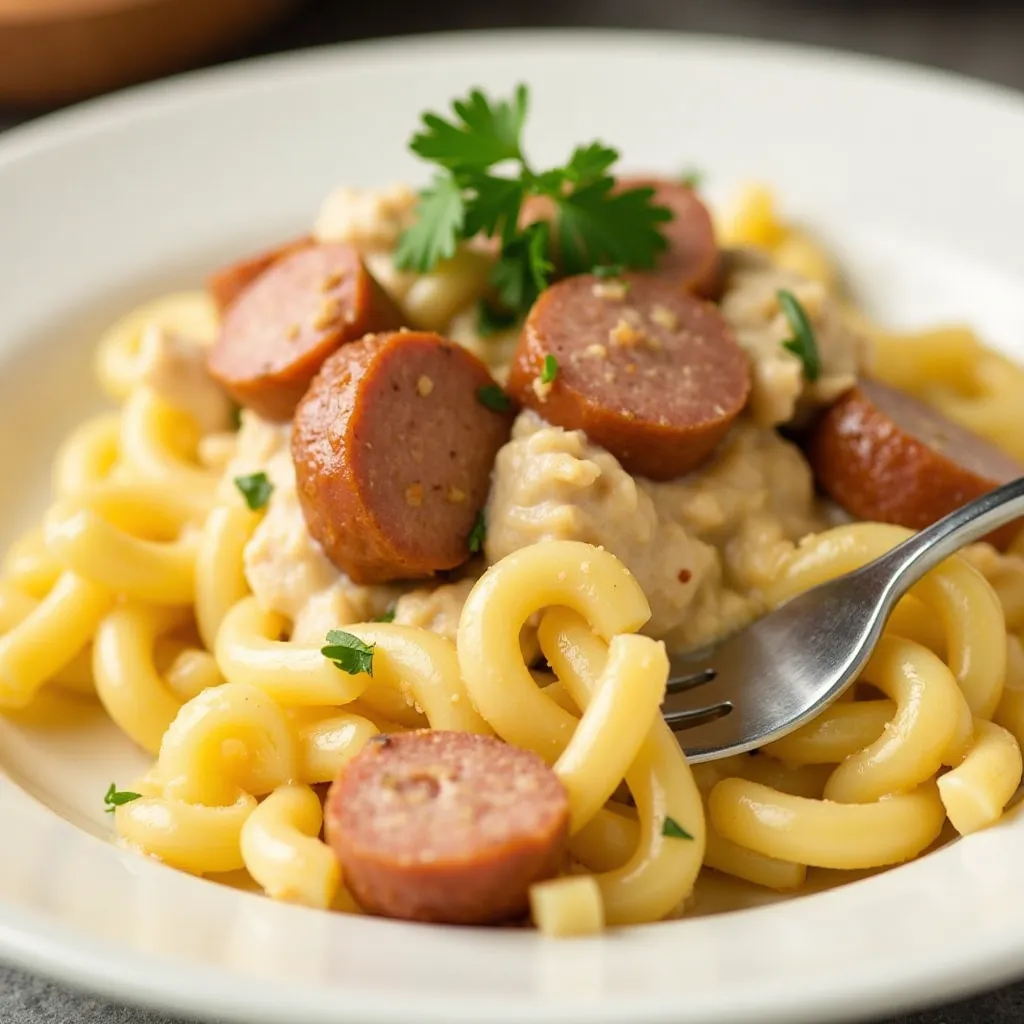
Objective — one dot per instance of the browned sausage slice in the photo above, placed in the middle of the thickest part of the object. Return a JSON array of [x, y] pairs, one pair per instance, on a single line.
[[691, 259], [226, 284], [289, 320], [446, 826], [886, 456], [393, 450], [651, 373]]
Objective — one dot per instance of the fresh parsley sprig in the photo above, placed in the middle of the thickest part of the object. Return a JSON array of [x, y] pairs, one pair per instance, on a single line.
[[593, 224]]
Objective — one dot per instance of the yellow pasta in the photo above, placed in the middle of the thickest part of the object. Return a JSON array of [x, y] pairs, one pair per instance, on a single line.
[[146, 586], [977, 790], [822, 833], [117, 361], [127, 681], [282, 851]]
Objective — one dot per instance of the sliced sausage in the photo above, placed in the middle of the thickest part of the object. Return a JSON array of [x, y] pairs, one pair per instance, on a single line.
[[226, 284], [691, 259], [447, 827], [393, 450], [649, 372], [289, 320], [886, 456]]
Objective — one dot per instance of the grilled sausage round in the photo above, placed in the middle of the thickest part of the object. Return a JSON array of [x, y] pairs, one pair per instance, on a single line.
[[885, 455], [447, 827], [226, 284], [393, 448], [281, 328], [649, 372], [691, 259]]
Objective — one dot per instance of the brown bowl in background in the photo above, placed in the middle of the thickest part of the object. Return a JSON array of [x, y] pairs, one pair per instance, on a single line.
[[55, 51]]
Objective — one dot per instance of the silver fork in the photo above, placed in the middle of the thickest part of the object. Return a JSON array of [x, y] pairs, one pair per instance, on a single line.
[[787, 667]]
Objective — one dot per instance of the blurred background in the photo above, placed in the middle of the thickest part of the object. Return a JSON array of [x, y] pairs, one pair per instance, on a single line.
[[56, 51]]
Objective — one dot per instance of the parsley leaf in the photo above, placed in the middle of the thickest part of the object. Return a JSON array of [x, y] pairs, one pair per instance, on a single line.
[[348, 653], [524, 269], [387, 616], [482, 134], [802, 344], [256, 488], [494, 206], [114, 798], [597, 225], [441, 215], [490, 319], [671, 828], [590, 163], [605, 270], [549, 371], [477, 534], [494, 398]]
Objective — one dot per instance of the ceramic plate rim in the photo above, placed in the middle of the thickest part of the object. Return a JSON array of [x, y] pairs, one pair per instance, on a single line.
[[130, 975]]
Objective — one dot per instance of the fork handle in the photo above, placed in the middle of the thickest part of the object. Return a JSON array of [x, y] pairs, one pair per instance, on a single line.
[[906, 563]]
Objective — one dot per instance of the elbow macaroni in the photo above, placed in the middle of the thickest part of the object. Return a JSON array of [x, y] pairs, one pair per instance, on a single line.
[[143, 553]]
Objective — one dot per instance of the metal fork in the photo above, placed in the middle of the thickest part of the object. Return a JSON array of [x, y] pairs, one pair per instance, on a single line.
[[787, 667]]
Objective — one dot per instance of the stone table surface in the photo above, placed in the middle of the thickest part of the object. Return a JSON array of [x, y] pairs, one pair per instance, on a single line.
[[984, 38]]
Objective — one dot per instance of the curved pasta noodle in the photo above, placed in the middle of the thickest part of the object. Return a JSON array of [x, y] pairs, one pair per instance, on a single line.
[[970, 613], [249, 650], [932, 725], [976, 792], [220, 568], [822, 833], [87, 456], [196, 763], [49, 637], [619, 714], [282, 851], [103, 535], [192, 837], [663, 868], [837, 733], [127, 681], [327, 741], [154, 439], [191, 314], [425, 669], [30, 566], [591, 581]]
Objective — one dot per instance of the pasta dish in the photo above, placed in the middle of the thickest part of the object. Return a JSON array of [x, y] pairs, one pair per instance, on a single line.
[[382, 551]]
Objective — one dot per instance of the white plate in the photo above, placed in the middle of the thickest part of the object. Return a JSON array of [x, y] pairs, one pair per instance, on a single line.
[[916, 179]]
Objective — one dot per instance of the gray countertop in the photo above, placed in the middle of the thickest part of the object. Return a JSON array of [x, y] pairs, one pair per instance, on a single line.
[[984, 38]]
